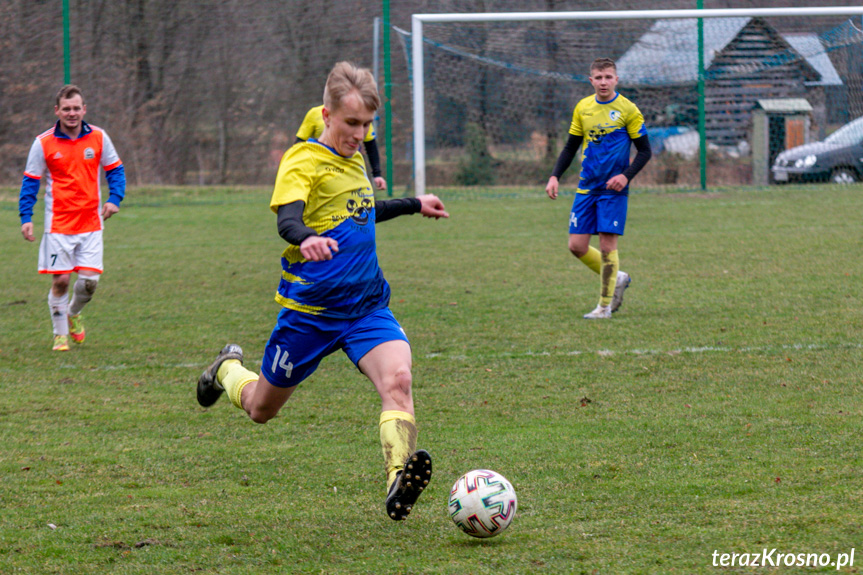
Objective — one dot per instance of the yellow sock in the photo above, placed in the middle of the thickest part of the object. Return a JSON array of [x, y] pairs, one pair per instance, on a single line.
[[234, 377], [592, 259], [398, 441], [608, 277]]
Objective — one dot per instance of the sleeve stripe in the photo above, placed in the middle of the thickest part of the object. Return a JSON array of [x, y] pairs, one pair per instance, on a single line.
[[116, 164], [32, 177]]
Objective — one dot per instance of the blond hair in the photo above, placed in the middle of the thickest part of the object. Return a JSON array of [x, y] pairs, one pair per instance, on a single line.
[[346, 78]]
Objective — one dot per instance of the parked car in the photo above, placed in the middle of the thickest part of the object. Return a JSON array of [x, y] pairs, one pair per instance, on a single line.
[[839, 158]]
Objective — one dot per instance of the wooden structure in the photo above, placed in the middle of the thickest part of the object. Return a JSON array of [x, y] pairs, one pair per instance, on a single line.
[[758, 64], [746, 60], [777, 125]]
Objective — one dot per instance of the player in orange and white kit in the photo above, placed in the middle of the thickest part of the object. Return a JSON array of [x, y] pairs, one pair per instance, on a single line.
[[71, 157]]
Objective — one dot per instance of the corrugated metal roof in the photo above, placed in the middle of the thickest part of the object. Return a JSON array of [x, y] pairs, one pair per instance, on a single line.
[[668, 52], [810, 47], [785, 105]]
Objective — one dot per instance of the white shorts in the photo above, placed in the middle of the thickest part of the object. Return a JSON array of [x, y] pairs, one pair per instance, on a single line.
[[63, 254]]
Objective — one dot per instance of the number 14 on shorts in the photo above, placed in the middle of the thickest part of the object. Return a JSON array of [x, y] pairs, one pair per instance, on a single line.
[[281, 360]]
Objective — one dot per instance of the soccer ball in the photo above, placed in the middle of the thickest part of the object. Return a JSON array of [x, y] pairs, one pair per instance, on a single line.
[[482, 503]]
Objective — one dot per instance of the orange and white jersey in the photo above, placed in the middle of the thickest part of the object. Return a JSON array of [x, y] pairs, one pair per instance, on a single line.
[[72, 171]]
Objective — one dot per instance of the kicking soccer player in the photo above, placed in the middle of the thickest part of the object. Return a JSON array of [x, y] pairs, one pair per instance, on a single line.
[[313, 127], [606, 123], [72, 156], [332, 290]]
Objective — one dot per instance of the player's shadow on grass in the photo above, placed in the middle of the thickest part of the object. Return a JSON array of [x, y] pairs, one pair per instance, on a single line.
[[474, 542]]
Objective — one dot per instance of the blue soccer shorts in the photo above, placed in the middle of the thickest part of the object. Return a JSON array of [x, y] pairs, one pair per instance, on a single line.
[[598, 213], [300, 341]]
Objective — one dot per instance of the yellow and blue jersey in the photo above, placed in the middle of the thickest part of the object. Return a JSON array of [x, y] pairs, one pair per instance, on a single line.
[[313, 126], [340, 204], [608, 129]]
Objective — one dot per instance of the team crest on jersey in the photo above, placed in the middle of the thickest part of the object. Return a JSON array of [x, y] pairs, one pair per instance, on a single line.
[[89, 153], [596, 135], [359, 211], [614, 115]]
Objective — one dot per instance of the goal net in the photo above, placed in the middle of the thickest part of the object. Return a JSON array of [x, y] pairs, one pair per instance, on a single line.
[[493, 94]]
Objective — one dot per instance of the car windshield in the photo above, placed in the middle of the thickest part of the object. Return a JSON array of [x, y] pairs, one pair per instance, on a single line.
[[847, 134]]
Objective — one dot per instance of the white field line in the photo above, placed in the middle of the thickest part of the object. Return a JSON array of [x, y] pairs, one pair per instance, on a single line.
[[639, 352]]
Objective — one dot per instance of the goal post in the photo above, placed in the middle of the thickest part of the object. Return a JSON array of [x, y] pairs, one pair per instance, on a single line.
[[417, 65]]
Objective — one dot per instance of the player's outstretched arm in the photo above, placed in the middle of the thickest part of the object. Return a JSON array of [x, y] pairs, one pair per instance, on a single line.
[[428, 205], [432, 206]]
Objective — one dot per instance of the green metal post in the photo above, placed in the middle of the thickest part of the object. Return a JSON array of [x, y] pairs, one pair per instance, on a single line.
[[67, 73], [702, 129], [388, 110]]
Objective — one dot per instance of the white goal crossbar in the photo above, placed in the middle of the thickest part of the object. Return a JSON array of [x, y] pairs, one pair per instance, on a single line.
[[417, 21]]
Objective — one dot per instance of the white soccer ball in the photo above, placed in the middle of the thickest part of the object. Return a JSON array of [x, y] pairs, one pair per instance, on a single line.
[[482, 503]]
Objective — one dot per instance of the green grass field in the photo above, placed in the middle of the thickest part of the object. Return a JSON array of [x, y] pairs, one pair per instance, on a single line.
[[719, 411]]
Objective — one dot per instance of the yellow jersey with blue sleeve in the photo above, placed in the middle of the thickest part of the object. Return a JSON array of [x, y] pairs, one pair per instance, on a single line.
[[313, 126], [608, 129], [340, 204]]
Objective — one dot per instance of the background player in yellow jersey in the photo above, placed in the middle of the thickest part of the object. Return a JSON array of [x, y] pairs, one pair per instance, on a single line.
[[607, 124], [313, 127], [333, 293]]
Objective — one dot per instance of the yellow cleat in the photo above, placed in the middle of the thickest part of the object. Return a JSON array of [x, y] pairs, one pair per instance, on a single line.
[[76, 328], [61, 343]]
